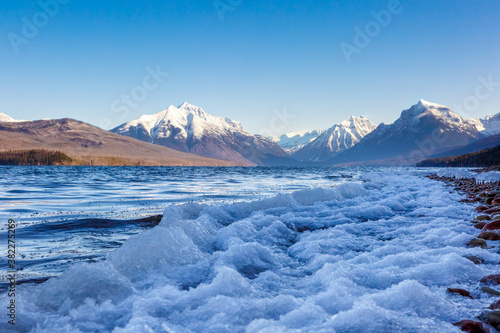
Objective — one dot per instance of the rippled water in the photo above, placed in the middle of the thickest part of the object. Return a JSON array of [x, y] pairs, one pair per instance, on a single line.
[[70, 214], [269, 250]]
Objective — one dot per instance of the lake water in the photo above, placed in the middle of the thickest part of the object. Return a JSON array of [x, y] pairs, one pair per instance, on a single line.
[[240, 250], [71, 214]]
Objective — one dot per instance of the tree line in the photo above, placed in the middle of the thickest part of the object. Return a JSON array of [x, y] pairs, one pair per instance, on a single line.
[[483, 158], [34, 157]]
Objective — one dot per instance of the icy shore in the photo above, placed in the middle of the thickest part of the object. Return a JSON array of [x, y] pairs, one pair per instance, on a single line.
[[371, 257]]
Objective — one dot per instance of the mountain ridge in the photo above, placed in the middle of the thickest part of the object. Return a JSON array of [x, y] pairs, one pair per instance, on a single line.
[[189, 128], [90, 145], [422, 130], [338, 138]]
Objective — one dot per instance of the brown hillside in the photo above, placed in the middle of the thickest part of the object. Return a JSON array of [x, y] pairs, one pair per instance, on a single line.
[[87, 144]]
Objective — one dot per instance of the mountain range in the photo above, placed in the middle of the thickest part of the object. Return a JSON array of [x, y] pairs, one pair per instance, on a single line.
[[187, 135], [189, 128], [421, 131], [293, 141], [335, 140], [90, 145]]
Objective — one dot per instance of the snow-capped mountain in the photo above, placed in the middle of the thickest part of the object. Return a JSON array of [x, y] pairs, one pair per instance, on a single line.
[[6, 118], [293, 141], [490, 125], [188, 128], [336, 139], [421, 131]]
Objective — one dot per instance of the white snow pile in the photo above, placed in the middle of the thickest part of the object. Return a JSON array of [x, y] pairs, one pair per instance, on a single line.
[[371, 257], [490, 176]]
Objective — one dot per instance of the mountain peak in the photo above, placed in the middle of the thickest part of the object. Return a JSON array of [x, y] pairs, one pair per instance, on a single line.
[[336, 139], [187, 105], [189, 128], [6, 118], [424, 106]]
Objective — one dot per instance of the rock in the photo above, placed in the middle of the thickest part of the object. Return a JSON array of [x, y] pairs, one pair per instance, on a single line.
[[493, 318], [461, 292], [495, 217], [480, 225], [492, 225], [492, 210], [491, 279], [472, 326], [475, 259], [496, 202], [495, 305], [477, 243], [489, 235], [483, 218], [481, 208], [490, 291], [488, 201]]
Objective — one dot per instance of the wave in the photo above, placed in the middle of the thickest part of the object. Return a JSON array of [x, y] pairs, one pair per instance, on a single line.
[[374, 257]]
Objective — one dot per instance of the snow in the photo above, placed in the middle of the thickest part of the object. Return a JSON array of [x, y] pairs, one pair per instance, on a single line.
[[186, 118], [490, 176], [293, 141], [336, 139], [490, 125], [370, 256], [6, 118]]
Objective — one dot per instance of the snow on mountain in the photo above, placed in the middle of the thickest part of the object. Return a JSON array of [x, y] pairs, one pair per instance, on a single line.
[[293, 141], [490, 125], [336, 139], [189, 128], [422, 130], [6, 118]]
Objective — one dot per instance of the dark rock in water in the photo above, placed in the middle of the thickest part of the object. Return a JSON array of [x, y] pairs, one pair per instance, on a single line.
[[481, 208], [461, 292], [480, 225], [493, 318], [477, 243], [483, 218], [490, 291], [495, 305], [492, 210], [155, 219], [495, 225], [489, 235], [475, 259], [491, 279], [472, 326]]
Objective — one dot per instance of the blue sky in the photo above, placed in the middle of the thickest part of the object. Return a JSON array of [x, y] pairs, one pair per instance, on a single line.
[[247, 60]]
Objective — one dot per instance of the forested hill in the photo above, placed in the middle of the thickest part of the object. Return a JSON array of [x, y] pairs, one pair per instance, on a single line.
[[34, 157], [483, 158]]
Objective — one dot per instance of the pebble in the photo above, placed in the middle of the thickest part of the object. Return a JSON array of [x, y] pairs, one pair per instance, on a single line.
[[472, 326], [490, 291], [475, 259], [495, 305], [492, 279], [477, 243], [489, 235], [493, 318], [461, 292]]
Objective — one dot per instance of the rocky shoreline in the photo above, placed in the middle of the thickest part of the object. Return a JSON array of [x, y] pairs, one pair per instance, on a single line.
[[487, 195]]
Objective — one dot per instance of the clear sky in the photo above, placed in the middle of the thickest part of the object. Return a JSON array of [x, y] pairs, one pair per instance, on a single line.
[[247, 59]]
